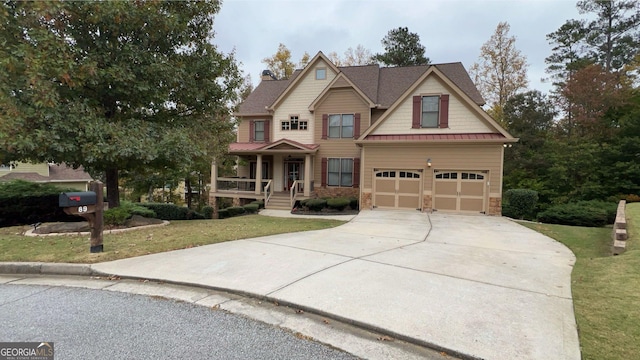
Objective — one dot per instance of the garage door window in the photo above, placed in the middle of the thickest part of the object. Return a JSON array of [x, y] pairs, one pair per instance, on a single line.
[[472, 176], [340, 172], [451, 175]]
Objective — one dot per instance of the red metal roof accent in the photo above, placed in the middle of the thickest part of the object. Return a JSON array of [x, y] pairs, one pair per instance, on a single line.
[[436, 137], [262, 146]]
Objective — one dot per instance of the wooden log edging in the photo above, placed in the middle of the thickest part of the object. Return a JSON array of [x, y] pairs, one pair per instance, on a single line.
[[620, 230]]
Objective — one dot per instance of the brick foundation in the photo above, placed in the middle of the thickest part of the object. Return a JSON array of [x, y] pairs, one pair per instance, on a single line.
[[495, 206]]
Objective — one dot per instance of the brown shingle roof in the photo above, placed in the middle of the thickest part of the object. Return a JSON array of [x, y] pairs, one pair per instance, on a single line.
[[382, 85], [456, 73]]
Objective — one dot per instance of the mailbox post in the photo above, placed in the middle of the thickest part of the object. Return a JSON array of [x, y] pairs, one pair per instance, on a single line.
[[89, 205]]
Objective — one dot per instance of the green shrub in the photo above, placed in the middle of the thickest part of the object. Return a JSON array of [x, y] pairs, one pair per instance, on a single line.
[[583, 213], [23, 202], [116, 216], [338, 203], [169, 211], [251, 208], [520, 203], [207, 212], [259, 202], [223, 214], [235, 210], [315, 204]]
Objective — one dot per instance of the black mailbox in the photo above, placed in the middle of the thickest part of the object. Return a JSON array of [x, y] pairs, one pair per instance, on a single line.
[[72, 199]]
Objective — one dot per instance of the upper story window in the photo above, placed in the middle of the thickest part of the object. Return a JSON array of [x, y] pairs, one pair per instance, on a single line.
[[430, 111], [341, 126], [321, 73], [294, 123], [258, 130]]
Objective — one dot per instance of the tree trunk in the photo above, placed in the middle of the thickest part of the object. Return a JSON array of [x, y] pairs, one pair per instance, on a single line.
[[187, 184], [113, 191]]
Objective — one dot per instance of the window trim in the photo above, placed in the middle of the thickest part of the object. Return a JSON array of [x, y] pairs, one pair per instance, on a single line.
[[288, 125], [318, 70], [255, 130], [340, 173], [422, 112], [341, 127]]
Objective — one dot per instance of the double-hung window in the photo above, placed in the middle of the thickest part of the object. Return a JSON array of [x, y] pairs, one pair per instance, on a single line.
[[430, 111], [340, 172], [294, 123], [258, 131], [341, 126]]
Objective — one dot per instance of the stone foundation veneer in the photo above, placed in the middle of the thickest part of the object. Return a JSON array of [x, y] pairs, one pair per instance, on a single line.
[[495, 206], [366, 201], [427, 203], [335, 192], [213, 202]]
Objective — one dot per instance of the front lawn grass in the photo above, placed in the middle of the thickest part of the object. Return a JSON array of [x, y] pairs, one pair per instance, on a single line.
[[177, 235], [606, 288]]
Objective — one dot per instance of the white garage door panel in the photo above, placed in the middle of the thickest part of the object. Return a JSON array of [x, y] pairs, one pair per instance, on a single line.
[[397, 189], [459, 190]]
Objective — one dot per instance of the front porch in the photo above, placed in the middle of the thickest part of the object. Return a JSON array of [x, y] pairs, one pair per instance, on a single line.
[[278, 173]]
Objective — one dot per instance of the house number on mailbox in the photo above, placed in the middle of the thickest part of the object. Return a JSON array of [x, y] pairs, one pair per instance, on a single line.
[[82, 209]]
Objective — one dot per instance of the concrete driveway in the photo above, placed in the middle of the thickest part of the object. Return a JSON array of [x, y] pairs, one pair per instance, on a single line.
[[479, 286]]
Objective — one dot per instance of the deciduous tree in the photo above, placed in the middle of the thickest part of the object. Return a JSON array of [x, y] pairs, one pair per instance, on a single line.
[[501, 70], [114, 85], [402, 48], [280, 63]]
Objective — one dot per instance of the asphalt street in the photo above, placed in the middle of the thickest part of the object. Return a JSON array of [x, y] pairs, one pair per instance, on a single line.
[[85, 323]]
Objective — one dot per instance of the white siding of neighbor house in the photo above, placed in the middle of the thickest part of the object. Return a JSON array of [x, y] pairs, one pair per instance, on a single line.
[[461, 117], [297, 103]]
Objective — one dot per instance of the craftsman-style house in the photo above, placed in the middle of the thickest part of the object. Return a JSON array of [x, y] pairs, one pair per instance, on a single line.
[[398, 138]]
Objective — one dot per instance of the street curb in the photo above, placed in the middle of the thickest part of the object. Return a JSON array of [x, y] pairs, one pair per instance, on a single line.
[[40, 268]]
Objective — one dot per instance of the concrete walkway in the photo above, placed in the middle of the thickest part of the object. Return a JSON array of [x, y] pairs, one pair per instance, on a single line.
[[478, 286]]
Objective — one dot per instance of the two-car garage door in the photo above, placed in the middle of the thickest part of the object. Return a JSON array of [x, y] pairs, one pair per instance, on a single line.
[[452, 190]]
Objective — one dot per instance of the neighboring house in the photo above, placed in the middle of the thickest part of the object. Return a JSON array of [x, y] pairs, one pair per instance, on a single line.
[[60, 175], [396, 138]]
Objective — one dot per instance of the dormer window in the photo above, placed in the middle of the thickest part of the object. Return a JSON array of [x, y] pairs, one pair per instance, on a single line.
[[321, 73]]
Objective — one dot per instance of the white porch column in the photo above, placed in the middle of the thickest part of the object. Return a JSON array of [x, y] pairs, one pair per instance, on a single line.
[[258, 174], [214, 176], [307, 175]]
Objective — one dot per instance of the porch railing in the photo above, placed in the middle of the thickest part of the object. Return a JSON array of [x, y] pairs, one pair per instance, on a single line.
[[294, 192], [236, 184], [268, 191]]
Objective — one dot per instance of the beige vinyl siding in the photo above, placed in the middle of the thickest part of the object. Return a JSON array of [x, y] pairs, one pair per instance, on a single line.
[[472, 157], [243, 135], [297, 103], [338, 101], [462, 119]]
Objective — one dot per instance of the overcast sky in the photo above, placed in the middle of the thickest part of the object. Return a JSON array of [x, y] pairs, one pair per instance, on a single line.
[[450, 30]]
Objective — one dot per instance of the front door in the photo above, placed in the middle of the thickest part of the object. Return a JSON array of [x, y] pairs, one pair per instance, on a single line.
[[291, 173]]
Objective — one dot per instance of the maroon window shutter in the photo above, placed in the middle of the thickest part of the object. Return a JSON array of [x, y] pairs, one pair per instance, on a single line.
[[325, 125], [324, 172], [417, 112], [356, 126], [444, 111], [267, 130], [356, 172], [251, 131]]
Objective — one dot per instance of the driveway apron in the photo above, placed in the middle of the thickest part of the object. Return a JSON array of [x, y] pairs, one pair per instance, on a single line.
[[482, 286]]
